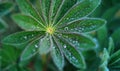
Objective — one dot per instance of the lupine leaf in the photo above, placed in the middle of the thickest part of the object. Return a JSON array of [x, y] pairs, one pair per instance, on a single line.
[[67, 4], [3, 25], [105, 57], [5, 7], [27, 8], [57, 56], [71, 53], [57, 8], [20, 38], [80, 10], [30, 50], [116, 37], [45, 44], [102, 35], [28, 23], [111, 46], [83, 25], [115, 57], [80, 41], [45, 7]]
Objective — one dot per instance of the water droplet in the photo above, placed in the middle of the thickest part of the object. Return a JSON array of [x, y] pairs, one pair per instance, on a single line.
[[67, 18], [66, 28], [32, 35], [64, 46], [34, 50], [25, 37], [36, 46], [54, 47]]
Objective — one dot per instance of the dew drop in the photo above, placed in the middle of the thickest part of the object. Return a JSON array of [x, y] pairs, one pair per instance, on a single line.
[[34, 50], [54, 47], [64, 46], [32, 35], [36, 46], [25, 37], [66, 28]]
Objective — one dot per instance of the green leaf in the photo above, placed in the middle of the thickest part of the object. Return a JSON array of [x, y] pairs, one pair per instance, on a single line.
[[104, 57], [30, 50], [111, 46], [83, 25], [21, 38], [38, 66], [110, 13], [65, 6], [45, 8], [27, 8], [5, 7], [80, 10], [8, 55], [80, 41], [57, 8], [116, 37], [28, 23], [45, 44], [74, 57], [57, 55], [115, 65], [3, 26], [102, 35], [115, 57]]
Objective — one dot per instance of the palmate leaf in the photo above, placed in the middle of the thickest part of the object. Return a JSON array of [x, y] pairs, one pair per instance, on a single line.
[[21, 38], [28, 23], [5, 7], [71, 53], [63, 20], [79, 10], [83, 25]]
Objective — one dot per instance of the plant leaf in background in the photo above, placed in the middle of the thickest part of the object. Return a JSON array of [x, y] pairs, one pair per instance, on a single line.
[[116, 37], [65, 24], [3, 26], [5, 7], [110, 58]]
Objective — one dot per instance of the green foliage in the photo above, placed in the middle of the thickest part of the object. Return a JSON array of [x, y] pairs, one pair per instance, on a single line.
[[60, 35]]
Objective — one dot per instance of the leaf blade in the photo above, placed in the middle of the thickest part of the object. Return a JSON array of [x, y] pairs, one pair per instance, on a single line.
[[28, 9], [45, 44], [30, 50], [57, 55], [5, 7], [20, 37], [83, 25], [79, 10], [73, 56], [27, 22], [80, 41]]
